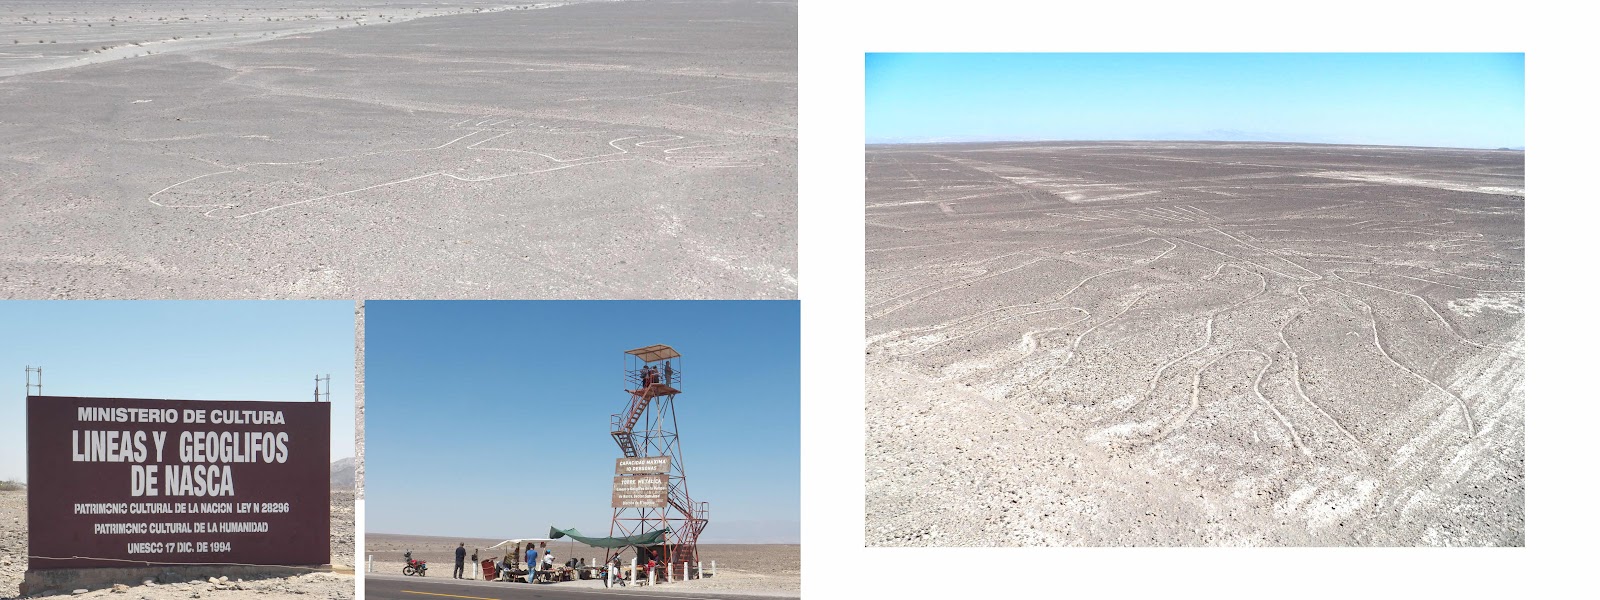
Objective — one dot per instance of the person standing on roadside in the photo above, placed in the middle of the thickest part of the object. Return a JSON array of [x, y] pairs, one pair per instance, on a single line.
[[461, 560], [614, 570], [533, 562]]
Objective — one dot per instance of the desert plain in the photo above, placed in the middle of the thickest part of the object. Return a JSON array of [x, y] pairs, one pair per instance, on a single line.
[[742, 569], [173, 149], [1194, 344]]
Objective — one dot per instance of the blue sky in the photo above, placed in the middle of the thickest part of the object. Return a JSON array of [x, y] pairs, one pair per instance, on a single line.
[[462, 396], [182, 350], [1446, 100]]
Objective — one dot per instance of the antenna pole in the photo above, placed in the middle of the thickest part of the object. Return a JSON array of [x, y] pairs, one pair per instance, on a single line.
[[34, 381]]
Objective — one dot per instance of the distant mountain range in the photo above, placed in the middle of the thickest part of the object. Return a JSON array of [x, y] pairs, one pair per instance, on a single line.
[[342, 474], [1210, 135]]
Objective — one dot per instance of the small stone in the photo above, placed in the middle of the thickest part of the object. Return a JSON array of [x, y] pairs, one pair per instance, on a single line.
[[119, 589], [79, 592]]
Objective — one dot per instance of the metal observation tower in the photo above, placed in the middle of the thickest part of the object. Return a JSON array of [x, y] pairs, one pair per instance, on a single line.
[[647, 428]]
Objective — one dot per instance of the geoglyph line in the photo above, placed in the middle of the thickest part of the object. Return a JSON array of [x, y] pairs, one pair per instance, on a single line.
[[1336, 273], [1073, 351], [941, 288], [1248, 261], [1294, 435], [1445, 322], [1194, 396], [1155, 380], [987, 326], [1314, 274], [650, 142], [882, 313], [1294, 362], [1376, 341]]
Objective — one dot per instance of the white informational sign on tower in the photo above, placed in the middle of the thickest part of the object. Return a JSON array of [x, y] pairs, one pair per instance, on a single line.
[[639, 491], [644, 465]]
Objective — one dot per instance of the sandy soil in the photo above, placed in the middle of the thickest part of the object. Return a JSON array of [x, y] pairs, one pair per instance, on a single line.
[[595, 150], [762, 569], [1194, 344], [14, 552]]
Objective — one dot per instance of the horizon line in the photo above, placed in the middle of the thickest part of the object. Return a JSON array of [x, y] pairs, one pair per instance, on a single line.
[[1169, 141]]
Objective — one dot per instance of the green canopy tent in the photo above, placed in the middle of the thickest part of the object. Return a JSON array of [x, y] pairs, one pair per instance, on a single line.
[[652, 538]]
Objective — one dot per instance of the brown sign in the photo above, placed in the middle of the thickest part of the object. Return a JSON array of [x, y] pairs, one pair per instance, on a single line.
[[644, 465], [639, 491], [116, 482]]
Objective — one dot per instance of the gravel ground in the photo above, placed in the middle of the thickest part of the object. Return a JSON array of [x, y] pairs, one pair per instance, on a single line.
[[342, 538], [1194, 344], [13, 541], [596, 150], [765, 569], [14, 551], [312, 585], [43, 35]]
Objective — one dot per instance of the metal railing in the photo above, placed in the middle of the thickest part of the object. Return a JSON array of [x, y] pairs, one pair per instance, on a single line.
[[631, 377]]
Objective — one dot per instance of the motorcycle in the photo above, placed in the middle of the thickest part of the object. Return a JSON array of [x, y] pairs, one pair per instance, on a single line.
[[415, 567]]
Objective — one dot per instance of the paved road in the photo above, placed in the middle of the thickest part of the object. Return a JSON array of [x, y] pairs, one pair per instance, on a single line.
[[390, 587]]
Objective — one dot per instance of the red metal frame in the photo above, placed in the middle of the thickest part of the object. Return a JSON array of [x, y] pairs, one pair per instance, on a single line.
[[648, 426]]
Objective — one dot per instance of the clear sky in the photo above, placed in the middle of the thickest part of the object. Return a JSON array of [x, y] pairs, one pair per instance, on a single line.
[[180, 350], [1444, 100], [492, 419]]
